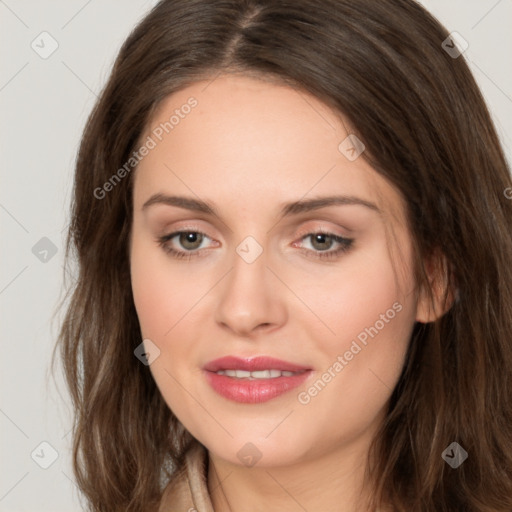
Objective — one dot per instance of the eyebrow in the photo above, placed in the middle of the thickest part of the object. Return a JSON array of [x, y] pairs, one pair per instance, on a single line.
[[287, 209]]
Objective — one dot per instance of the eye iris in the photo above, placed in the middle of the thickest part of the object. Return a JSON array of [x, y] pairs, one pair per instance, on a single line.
[[321, 237], [190, 238]]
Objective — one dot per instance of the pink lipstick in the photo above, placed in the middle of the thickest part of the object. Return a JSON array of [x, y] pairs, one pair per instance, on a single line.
[[253, 380]]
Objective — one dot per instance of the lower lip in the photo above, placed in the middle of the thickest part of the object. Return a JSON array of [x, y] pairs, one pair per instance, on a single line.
[[254, 391]]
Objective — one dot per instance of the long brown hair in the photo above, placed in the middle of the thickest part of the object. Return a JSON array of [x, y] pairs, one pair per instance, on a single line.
[[426, 128]]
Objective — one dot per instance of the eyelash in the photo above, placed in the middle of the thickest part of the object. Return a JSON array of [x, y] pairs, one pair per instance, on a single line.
[[345, 245]]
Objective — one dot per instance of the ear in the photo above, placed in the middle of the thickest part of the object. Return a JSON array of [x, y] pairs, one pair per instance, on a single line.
[[435, 304]]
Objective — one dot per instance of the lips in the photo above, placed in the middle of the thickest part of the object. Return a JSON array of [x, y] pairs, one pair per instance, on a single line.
[[253, 364], [253, 380]]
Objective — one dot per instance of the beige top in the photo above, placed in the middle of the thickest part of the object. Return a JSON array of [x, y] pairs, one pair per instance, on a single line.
[[188, 490]]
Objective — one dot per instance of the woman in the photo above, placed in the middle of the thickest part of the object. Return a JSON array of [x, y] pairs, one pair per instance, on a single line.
[[294, 236]]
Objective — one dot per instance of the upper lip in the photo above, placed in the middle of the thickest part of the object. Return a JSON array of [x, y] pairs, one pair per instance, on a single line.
[[252, 364]]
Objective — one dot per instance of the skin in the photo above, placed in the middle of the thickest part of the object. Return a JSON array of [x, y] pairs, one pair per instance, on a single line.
[[248, 147]]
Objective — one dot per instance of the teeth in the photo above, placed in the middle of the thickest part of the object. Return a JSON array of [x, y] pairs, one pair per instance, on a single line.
[[265, 374], [260, 374]]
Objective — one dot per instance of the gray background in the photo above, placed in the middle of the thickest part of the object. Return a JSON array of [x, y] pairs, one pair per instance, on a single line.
[[44, 104]]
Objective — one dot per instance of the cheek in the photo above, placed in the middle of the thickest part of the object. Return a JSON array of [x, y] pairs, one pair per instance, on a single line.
[[164, 300], [162, 295], [370, 312], [358, 297], [148, 286]]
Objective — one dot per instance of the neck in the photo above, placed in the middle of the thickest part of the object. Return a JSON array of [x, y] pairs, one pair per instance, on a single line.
[[331, 482]]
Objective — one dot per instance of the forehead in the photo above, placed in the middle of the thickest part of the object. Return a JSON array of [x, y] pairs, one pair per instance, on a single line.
[[244, 137]]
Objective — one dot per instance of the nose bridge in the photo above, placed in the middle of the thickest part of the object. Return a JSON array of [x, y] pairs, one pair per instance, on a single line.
[[249, 298]]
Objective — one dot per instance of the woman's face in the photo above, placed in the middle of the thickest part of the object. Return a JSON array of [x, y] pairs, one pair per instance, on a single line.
[[255, 278]]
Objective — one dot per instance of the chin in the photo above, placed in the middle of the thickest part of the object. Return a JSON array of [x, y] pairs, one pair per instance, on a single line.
[[251, 448]]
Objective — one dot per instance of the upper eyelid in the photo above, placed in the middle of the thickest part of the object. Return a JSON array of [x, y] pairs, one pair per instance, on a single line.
[[301, 232]]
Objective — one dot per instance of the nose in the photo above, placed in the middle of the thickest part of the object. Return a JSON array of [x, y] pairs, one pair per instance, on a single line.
[[251, 298]]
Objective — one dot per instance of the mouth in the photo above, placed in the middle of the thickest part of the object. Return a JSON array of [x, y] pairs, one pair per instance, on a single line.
[[254, 380]]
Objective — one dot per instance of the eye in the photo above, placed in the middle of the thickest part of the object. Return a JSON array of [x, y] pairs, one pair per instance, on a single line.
[[191, 241], [321, 243]]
